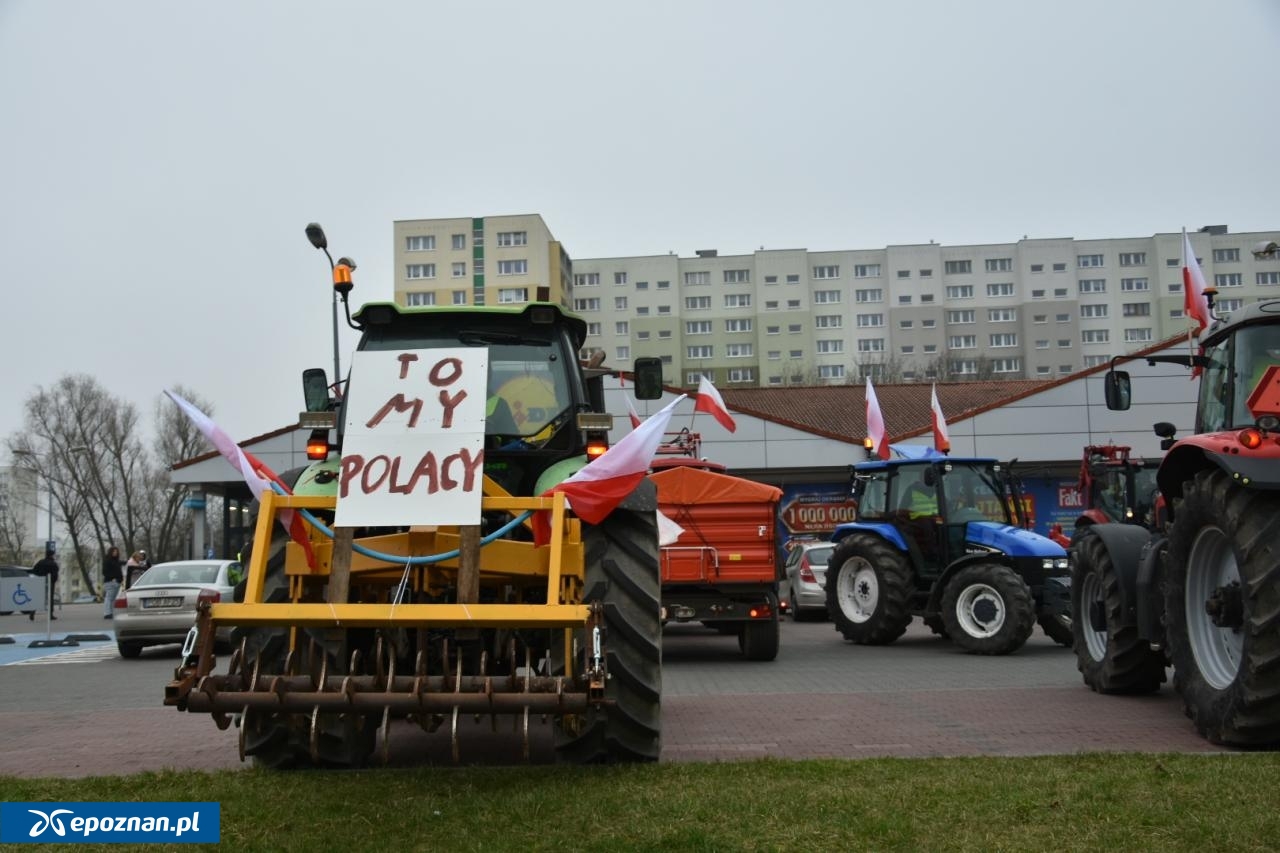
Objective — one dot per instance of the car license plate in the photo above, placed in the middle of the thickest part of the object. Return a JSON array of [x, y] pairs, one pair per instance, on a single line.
[[149, 603]]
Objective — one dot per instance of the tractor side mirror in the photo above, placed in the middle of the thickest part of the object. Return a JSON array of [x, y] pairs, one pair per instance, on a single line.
[[648, 378], [1165, 431], [315, 389], [1116, 390]]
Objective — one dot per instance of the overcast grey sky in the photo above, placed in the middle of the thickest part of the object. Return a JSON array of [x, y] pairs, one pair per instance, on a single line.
[[160, 160]]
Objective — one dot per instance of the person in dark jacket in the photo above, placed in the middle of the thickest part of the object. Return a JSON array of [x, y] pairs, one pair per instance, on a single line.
[[112, 577], [46, 568]]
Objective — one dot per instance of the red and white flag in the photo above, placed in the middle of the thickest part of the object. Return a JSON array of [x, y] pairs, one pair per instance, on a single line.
[[941, 440], [875, 424], [710, 401], [1193, 302], [598, 487], [631, 413], [256, 474]]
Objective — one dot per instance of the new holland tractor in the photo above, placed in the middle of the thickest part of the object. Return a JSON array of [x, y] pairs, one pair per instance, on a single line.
[[1202, 595], [943, 539], [524, 610]]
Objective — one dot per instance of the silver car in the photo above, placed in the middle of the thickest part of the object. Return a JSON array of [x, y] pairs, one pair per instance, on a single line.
[[806, 574], [160, 607]]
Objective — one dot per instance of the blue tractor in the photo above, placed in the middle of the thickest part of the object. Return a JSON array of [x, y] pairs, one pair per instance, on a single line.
[[944, 539]]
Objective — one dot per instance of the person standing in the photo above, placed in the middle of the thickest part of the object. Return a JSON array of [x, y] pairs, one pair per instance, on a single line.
[[46, 568], [134, 568], [112, 576]]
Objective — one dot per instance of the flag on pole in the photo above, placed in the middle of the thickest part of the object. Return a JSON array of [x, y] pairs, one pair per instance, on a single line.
[[710, 401], [875, 424], [1194, 304], [256, 474], [631, 413], [941, 439]]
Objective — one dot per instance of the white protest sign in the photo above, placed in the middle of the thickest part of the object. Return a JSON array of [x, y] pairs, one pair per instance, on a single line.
[[413, 451]]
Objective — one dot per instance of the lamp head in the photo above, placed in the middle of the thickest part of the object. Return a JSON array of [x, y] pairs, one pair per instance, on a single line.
[[316, 235]]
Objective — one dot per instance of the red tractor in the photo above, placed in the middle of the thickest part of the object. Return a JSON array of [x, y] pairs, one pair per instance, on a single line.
[[1116, 486], [1203, 595]]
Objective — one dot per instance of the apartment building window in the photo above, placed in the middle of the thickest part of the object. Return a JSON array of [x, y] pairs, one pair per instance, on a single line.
[[907, 349], [1006, 365], [867, 321], [828, 321], [622, 328], [999, 264], [642, 310], [623, 353], [1137, 336], [1059, 267], [642, 285], [874, 294], [1004, 339], [459, 241], [829, 347], [697, 327], [870, 344], [957, 267], [619, 278], [1171, 262], [771, 279], [1133, 259], [904, 299], [1065, 368], [905, 324], [1096, 360], [1040, 318], [1176, 287], [663, 310], [964, 367], [962, 342], [826, 297], [794, 328], [928, 324], [642, 336], [586, 304], [594, 330], [775, 354], [960, 291], [1229, 279], [620, 303], [743, 325], [1226, 256], [1136, 309], [1037, 294], [826, 272], [1095, 336], [700, 351], [773, 330], [1267, 278], [926, 297], [737, 300], [737, 276], [1059, 293], [930, 349], [866, 270], [793, 278], [1093, 311], [586, 279], [420, 271], [1001, 289], [1062, 318], [1229, 305], [742, 374], [1134, 285], [516, 267], [512, 295], [513, 238], [793, 304], [420, 243], [664, 334], [739, 350], [1044, 344], [831, 371], [697, 303], [1085, 261], [694, 278], [771, 305], [459, 297], [1093, 285], [1037, 267], [1043, 370], [1064, 343], [926, 273], [1002, 315], [956, 318], [693, 377], [904, 273], [664, 285], [415, 300], [795, 353]]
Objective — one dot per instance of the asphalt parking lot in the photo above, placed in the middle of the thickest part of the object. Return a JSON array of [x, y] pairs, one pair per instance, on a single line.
[[84, 711]]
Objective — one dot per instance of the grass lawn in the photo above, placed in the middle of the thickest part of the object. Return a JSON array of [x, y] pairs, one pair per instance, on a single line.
[[1092, 802]]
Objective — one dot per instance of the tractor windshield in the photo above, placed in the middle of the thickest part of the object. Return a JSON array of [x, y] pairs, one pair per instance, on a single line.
[[1235, 367], [974, 492]]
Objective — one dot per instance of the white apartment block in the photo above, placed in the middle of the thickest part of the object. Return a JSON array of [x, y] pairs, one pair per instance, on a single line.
[[1036, 308]]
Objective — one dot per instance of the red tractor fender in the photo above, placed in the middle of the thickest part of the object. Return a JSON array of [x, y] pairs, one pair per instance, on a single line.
[[1257, 467]]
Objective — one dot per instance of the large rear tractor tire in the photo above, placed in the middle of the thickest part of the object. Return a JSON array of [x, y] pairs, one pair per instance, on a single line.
[[869, 590], [1222, 605], [1110, 655], [622, 573], [988, 610]]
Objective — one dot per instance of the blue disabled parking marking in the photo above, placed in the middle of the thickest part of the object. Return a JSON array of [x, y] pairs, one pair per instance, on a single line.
[[19, 650]]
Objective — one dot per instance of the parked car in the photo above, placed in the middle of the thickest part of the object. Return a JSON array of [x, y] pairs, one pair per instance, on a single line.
[[160, 607], [806, 572], [14, 572]]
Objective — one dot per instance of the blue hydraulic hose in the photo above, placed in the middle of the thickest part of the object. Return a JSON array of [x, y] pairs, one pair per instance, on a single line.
[[400, 559]]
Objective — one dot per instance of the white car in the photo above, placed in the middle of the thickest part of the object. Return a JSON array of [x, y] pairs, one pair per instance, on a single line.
[[160, 607]]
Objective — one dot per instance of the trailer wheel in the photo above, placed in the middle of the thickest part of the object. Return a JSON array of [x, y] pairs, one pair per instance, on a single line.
[[1056, 628], [760, 636], [868, 590], [1110, 655], [988, 610], [622, 572], [1221, 601]]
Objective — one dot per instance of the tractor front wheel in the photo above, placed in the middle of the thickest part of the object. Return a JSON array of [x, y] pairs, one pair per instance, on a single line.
[[869, 590], [988, 610]]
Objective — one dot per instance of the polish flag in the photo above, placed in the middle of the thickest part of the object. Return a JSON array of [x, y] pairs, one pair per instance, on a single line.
[[875, 423], [598, 487], [710, 401], [631, 413], [257, 476], [1193, 301], [941, 440]]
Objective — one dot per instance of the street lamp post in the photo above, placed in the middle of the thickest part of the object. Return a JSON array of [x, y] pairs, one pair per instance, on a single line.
[[341, 287]]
